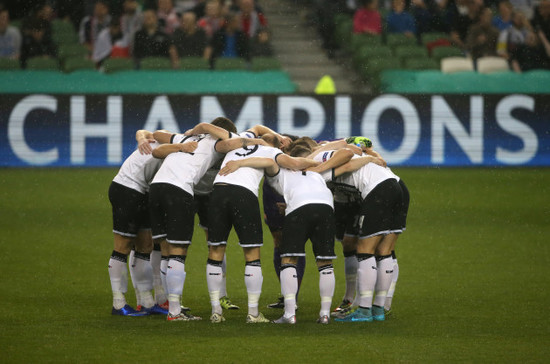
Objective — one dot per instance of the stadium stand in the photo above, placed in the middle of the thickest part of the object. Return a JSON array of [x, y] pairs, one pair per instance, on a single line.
[[456, 64], [492, 64]]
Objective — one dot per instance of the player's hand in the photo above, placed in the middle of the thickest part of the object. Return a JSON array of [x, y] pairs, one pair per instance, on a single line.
[[144, 146], [355, 149], [282, 207], [188, 147], [230, 167], [188, 132]]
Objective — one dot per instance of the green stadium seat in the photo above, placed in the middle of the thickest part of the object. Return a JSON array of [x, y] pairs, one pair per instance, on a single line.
[[265, 64], [155, 63], [71, 50], [372, 69], [433, 36], [420, 63], [65, 37], [229, 64], [78, 63], [111, 65], [15, 23], [367, 52], [43, 64], [394, 40], [359, 40], [446, 51], [194, 63], [414, 51], [62, 26], [9, 64], [343, 32]]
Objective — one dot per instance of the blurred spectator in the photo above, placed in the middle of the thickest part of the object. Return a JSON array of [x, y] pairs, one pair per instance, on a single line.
[[212, 21], [70, 10], [43, 13], [323, 17], [150, 41], [260, 46], [36, 44], [431, 15], [482, 36], [461, 24], [10, 37], [533, 54], [399, 20], [503, 19], [188, 40], [131, 20], [367, 18], [168, 19], [91, 26], [541, 19], [230, 41], [200, 8], [110, 43], [510, 38], [252, 19], [526, 7]]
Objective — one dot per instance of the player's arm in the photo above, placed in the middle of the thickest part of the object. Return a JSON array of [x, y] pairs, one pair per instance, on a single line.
[[294, 163], [163, 136], [144, 139], [227, 145], [260, 130], [372, 152], [206, 128], [339, 158], [162, 151], [357, 163], [268, 164], [334, 145]]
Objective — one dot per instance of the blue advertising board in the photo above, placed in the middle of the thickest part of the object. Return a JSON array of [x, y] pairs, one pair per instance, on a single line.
[[54, 130]]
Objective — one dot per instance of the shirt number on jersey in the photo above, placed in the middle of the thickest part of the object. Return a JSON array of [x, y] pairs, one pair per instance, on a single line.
[[248, 150]]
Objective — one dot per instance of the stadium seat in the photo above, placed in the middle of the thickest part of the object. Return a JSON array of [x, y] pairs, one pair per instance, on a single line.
[[420, 63], [433, 36], [394, 40], [155, 63], [265, 64], [410, 51], [111, 65], [368, 52], [62, 26], [65, 37], [372, 69], [194, 63], [446, 51], [229, 64], [343, 32], [359, 40], [43, 64], [71, 50], [78, 63], [9, 64], [492, 64], [456, 64]]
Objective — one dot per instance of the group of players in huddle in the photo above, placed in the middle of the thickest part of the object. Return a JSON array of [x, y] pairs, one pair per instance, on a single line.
[[311, 191]]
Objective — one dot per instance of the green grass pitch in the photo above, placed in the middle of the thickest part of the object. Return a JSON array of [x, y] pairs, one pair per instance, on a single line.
[[473, 287]]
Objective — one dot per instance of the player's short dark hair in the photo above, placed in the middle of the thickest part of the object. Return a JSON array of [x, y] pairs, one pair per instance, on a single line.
[[272, 140], [224, 123], [300, 151], [292, 137]]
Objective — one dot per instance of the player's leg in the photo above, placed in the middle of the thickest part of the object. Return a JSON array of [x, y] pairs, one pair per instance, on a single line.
[[289, 288], [214, 280], [124, 202], [253, 280], [385, 266], [321, 233]]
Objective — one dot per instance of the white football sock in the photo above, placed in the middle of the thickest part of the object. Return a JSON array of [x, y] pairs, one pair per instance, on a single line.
[[383, 280], [175, 279], [350, 268], [366, 278], [223, 287], [253, 280], [395, 275], [289, 287], [131, 265], [214, 281], [163, 270], [118, 273], [326, 288], [143, 279], [160, 294]]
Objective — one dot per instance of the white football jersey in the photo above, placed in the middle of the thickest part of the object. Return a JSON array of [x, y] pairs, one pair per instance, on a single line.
[[247, 177], [138, 170], [339, 196], [366, 178], [184, 170], [300, 188]]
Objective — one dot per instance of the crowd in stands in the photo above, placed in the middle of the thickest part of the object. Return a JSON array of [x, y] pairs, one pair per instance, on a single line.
[[134, 29], [516, 30]]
